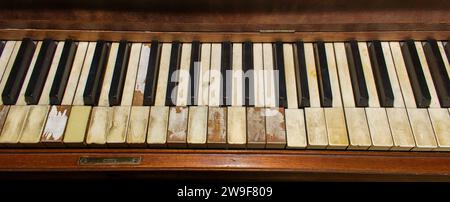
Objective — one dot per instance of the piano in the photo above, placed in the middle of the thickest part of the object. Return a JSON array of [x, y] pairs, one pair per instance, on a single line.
[[255, 89]]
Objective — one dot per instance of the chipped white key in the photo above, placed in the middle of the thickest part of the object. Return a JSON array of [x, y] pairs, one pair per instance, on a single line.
[[130, 80], [177, 128], [56, 124]]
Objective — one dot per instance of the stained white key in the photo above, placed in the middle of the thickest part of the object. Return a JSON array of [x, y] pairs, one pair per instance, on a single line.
[[376, 116], [236, 127], [291, 88], [78, 99], [45, 98], [34, 124], [138, 96], [75, 72], [130, 80], [183, 79], [117, 131], [215, 77], [316, 128], [258, 75], [21, 98], [15, 121], [203, 88], [197, 126], [100, 122], [334, 116], [295, 129], [107, 78], [237, 83], [138, 124], [163, 75], [269, 76], [440, 120], [157, 126]]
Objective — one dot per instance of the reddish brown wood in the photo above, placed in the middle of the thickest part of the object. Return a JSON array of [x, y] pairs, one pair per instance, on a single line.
[[298, 164]]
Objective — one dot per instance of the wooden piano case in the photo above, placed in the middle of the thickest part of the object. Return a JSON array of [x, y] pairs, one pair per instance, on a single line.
[[234, 20]]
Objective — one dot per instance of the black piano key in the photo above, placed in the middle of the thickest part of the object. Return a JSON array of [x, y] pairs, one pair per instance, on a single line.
[[2, 46], [63, 72], [194, 73], [247, 67], [279, 66], [415, 74], [40, 72], [438, 72], [380, 73], [301, 78], [323, 76], [226, 61], [174, 65], [447, 50], [96, 73], [18, 72], [151, 79], [120, 72], [357, 74]]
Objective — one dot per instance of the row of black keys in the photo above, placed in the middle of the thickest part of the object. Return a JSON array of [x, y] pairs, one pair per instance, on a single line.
[[101, 54]]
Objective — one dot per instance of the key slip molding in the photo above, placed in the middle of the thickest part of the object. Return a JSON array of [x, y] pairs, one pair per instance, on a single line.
[[208, 21]]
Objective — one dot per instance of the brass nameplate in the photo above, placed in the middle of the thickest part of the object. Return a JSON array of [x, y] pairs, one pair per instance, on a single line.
[[109, 160]]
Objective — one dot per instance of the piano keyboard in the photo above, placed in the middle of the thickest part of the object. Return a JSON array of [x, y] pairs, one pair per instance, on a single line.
[[322, 95]]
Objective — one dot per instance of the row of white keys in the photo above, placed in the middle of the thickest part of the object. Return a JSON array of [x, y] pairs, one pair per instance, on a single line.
[[418, 118]]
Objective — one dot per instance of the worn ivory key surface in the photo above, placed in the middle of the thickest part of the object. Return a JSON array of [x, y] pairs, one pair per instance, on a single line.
[[256, 127], [137, 127], [197, 126], [56, 124], [157, 126], [34, 124], [295, 129], [177, 129], [12, 129], [275, 128], [236, 127], [217, 127]]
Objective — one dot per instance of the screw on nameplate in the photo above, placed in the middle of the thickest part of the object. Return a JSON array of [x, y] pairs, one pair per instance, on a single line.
[[109, 160]]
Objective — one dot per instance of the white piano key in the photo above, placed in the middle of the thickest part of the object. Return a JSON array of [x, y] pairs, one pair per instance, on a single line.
[[344, 75], [107, 78], [163, 75], [183, 79], [56, 124], [157, 126], [100, 122], [138, 124], [440, 120], [316, 128], [215, 76], [237, 83], [77, 125], [9, 64], [368, 75], [334, 116], [289, 70], [117, 132], [334, 79], [379, 129], [269, 76], [45, 97], [138, 96], [398, 97], [34, 124], [177, 128], [295, 129], [15, 121], [130, 80], [400, 129], [422, 129], [75, 72], [312, 75], [236, 127], [78, 99], [203, 88], [21, 98], [376, 116], [258, 75], [197, 126]]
